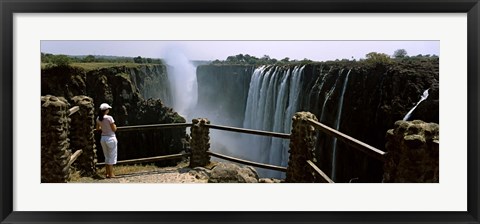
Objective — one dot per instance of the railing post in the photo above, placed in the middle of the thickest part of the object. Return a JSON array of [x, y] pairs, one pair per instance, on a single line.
[[82, 136], [55, 144], [412, 153], [199, 143], [302, 148]]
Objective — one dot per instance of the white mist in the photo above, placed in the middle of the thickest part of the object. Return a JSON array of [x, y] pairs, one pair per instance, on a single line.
[[183, 81]]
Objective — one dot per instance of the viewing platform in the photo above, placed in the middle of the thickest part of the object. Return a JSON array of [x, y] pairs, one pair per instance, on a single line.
[[302, 163]]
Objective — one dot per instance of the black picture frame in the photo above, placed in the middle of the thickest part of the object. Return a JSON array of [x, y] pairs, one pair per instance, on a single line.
[[9, 7]]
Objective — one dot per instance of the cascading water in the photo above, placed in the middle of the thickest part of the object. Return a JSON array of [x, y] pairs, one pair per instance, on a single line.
[[272, 101], [319, 87], [337, 127], [183, 82], [327, 97], [422, 98]]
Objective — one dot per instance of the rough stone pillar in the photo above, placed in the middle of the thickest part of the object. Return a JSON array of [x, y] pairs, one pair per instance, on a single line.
[[302, 148], [81, 135], [199, 143], [55, 153], [413, 155]]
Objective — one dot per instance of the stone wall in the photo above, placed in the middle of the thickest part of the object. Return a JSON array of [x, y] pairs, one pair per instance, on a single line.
[[199, 143], [63, 134], [81, 135], [55, 144], [302, 148], [413, 153]]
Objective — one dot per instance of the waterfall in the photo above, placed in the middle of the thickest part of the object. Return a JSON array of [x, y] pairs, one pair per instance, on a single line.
[[280, 115], [319, 89], [327, 96], [271, 103], [337, 126], [422, 98]]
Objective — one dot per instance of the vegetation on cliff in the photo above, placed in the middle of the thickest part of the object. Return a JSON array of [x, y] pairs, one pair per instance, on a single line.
[[371, 59], [63, 60]]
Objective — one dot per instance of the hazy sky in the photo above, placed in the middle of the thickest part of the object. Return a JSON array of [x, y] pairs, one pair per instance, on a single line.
[[210, 50]]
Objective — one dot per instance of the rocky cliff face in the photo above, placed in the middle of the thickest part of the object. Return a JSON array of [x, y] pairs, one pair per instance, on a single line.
[[126, 89], [363, 100], [375, 97]]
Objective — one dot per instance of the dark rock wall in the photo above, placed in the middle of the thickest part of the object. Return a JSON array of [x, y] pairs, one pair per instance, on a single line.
[[376, 96], [122, 88], [152, 82], [63, 81]]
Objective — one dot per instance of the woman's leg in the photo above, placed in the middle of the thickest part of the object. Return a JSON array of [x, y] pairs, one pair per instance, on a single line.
[[105, 153], [112, 144], [107, 171], [111, 171]]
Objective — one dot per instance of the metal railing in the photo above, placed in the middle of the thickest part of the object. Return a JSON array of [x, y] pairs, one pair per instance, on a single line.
[[367, 149], [218, 155], [320, 172], [247, 162], [73, 110], [249, 131], [154, 158], [77, 153], [154, 126], [359, 145]]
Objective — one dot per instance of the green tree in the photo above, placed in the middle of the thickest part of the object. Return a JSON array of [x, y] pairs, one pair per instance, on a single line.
[[231, 59], [374, 58], [89, 58], [138, 60], [400, 53], [60, 60], [46, 58]]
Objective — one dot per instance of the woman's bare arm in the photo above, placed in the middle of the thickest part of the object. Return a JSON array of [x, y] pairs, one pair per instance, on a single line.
[[113, 126]]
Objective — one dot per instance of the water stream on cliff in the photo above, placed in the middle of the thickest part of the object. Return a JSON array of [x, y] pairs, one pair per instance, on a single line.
[[337, 127], [272, 100], [422, 98]]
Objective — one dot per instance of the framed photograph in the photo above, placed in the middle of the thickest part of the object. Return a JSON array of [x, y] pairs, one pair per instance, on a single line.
[[265, 48]]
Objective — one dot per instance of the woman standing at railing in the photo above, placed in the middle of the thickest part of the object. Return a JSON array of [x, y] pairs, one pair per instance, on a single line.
[[106, 124]]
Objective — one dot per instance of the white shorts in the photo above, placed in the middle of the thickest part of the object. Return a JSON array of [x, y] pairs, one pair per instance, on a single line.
[[109, 146]]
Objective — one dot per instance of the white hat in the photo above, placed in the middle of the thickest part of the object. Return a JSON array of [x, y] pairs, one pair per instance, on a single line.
[[104, 106]]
